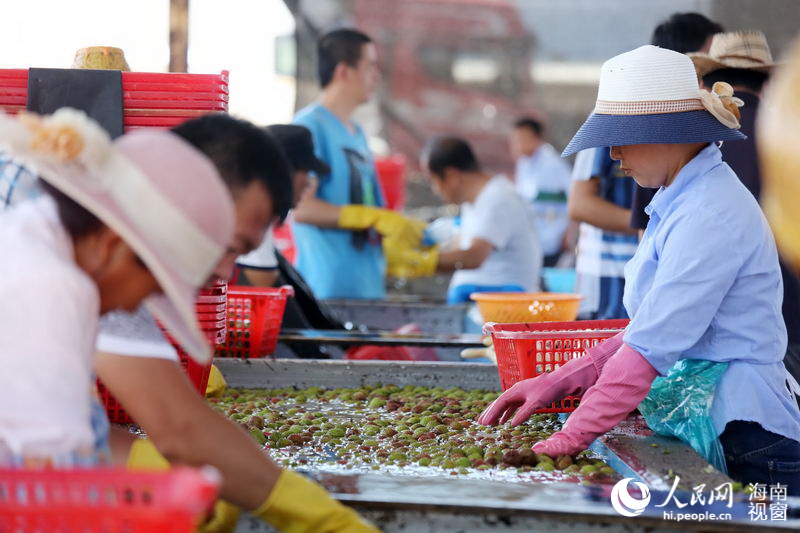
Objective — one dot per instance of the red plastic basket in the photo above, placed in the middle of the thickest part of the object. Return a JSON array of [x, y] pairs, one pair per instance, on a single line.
[[211, 305], [254, 321], [104, 500], [527, 350]]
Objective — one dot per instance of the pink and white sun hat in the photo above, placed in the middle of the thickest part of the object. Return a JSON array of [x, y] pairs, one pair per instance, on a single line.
[[162, 196], [651, 95]]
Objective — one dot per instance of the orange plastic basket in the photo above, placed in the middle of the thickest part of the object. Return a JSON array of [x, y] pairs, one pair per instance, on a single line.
[[210, 308], [254, 321], [107, 500], [530, 349], [512, 307]]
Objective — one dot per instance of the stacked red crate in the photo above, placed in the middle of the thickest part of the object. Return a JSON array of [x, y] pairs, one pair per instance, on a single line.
[[150, 99]]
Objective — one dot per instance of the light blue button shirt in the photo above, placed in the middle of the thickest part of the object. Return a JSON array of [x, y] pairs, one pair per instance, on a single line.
[[705, 284]]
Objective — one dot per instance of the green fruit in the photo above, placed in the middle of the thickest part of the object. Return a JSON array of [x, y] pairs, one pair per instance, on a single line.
[[259, 436], [545, 466], [337, 432], [376, 403], [464, 462], [589, 469], [473, 450], [371, 430], [544, 458], [424, 462]]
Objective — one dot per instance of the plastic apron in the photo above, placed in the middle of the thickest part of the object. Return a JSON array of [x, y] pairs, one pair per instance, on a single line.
[[679, 405]]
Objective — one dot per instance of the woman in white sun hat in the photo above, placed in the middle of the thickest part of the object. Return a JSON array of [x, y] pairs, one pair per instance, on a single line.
[[704, 286], [143, 218]]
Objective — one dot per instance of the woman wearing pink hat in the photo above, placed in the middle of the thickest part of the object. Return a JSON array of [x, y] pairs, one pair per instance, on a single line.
[[144, 218], [703, 290]]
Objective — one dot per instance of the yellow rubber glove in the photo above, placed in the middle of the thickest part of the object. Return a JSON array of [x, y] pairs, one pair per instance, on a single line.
[[216, 383], [223, 520], [298, 505], [405, 262], [388, 223], [145, 456]]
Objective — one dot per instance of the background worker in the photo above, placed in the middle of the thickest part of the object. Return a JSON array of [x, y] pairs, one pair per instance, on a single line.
[[743, 59], [599, 200], [142, 371], [497, 248], [543, 178], [340, 222], [260, 267]]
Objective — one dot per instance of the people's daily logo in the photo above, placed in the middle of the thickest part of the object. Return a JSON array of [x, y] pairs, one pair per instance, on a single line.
[[624, 503]]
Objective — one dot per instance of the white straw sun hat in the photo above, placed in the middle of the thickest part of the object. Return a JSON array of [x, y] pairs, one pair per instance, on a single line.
[[651, 95], [163, 197]]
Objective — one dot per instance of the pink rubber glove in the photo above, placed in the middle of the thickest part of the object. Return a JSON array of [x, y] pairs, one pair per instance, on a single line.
[[624, 383], [574, 377]]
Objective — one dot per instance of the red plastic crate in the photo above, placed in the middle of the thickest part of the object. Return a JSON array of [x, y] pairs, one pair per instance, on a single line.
[[106, 500], [211, 308], [526, 350], [154, 100], [254, 321]]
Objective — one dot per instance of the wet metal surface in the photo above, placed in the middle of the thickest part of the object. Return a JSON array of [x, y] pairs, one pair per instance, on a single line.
[[414, 503], [430, 317], [277, 373], [633, 451], [379, 338]]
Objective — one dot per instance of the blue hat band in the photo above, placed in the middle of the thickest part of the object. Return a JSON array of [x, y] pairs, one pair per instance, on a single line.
[[662, 128]]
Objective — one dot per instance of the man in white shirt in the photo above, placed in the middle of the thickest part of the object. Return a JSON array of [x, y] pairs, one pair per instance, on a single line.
[[497, 247], [543, 178]]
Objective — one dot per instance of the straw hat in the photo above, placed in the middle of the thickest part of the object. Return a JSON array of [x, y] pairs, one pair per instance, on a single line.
[[736, 49], [101, 57], [778, 129], [161, 195], [651, 95]]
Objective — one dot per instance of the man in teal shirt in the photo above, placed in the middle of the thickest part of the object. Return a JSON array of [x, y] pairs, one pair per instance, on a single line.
[[340, 222]]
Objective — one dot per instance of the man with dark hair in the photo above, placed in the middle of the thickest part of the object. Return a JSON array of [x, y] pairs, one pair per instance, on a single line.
[[336, 263], [260, 267], [543, 178], [143, 373], [685, 32], [497, 248]]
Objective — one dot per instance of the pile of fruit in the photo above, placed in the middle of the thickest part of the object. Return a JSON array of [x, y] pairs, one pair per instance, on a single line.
[[409, 430]]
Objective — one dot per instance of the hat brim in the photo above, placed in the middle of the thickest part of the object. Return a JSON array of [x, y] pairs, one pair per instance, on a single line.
[[705, 64], [176, 311], [318, 166], [663, 128]]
